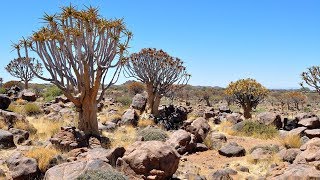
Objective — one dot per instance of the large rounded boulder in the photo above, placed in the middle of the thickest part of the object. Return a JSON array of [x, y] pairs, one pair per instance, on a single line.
[[4, 101], [151, 159]]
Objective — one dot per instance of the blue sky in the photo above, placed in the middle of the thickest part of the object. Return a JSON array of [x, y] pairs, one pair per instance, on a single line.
[[272, 41]]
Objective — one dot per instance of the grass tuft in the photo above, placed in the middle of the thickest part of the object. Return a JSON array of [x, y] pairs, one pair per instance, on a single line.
[[43, 156]]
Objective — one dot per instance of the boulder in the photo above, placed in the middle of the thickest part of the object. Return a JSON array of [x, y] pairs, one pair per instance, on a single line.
[[232, 149], [11, 118], [270, 118], [200, 147], [108, 155], [224, 109], [200, 128], [22, 168], [209, 113], [310, 123], [294, 171], [234, 118], [301, 116], [217, 140], [310, 152], [69, 138], [182, 141], [62, 99], [28, 96], [223, 174], [72, 170], [289, 155], [172, 117], [298, 131], [312, 133], [19, 135], [139, 102], [130, 117], [259, 154], [6, 140], [4, 102], [152, 159]]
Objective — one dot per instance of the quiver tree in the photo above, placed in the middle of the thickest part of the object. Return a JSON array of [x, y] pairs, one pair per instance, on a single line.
[[21, 68], [312, 78], [296, 98], [80, 49], [158, 71], [247, 93], [135, 87]]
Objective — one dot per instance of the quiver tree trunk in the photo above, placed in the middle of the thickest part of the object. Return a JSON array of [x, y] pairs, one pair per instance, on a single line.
[[247, 112], [26, 84], [88, 117], [153, 101]]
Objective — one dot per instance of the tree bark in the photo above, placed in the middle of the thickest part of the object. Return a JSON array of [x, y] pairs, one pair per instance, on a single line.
[[88, 122], [156, 103], [26, 84], [247, 112]]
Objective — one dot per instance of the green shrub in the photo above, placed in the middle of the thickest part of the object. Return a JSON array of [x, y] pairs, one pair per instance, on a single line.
[[32, 109], [108, 174], [152, 134], [51, 93], [2, 90], [255, 129], [124, 100]]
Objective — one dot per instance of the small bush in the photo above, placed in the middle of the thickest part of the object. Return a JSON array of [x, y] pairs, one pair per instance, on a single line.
[[43, 156], [124, 100], [152, 134], [255, 129], [2, 90], [291, 141], [51, 93], [32, 109], [108, 174]]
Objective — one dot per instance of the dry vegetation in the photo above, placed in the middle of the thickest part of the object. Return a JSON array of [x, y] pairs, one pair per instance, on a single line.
[[43, 156]]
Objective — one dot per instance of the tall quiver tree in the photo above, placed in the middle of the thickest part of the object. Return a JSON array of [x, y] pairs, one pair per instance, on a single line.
[[247, 93], [82, 53], [159, 71]]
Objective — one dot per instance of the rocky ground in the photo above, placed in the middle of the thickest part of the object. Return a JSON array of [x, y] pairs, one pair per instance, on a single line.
[[186, 142]]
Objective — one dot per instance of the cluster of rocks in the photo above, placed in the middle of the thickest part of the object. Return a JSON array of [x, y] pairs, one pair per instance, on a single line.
[[16, 92], [59, 108], [300, 163]]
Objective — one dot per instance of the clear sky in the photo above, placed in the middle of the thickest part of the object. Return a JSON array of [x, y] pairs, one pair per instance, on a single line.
[[272, 41]]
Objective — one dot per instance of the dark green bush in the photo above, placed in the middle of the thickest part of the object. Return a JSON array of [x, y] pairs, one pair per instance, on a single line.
[[2, 90], [124, 100], [108, 174], [32, 109], [152, 134], [255, 129], [51, 93]]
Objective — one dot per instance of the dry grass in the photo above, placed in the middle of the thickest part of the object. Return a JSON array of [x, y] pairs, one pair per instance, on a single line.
[[21, 101], [145, 122], [25, 126], [226, 127], [3, 125], [45, 128], [290, 141], [260, 167], [122, 137], [104, 119], [16, 108], [43, 156]]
